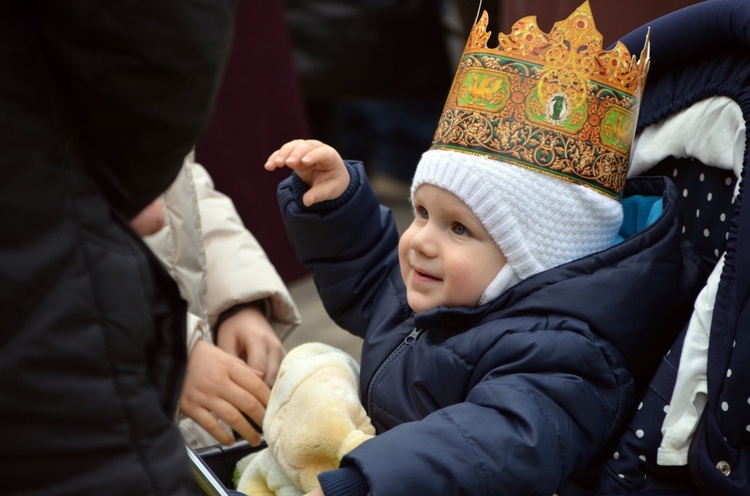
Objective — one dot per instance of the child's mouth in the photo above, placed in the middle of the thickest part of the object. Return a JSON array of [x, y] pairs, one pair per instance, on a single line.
[[424, 276]]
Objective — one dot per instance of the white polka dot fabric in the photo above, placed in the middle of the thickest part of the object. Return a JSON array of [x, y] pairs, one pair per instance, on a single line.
[[706, 206], [707, 195]]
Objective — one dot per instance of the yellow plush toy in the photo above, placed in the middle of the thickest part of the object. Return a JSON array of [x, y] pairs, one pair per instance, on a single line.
[[314, 417]]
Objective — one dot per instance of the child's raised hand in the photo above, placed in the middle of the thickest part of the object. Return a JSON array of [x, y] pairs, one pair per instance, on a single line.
[[318, 165]]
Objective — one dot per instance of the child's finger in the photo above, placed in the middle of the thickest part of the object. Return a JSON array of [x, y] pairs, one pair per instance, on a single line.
[[303, 153], [322, 191], [309, 198], [320, 155], [275, 161], [280, 157]]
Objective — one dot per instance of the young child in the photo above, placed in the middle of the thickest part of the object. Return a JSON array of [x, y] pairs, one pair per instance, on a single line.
[[507, 330]]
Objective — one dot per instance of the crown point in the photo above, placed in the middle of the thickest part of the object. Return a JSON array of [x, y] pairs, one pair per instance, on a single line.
[[556, 102]]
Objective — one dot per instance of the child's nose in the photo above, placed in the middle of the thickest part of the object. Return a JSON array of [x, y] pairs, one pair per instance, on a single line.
[[424, 241]]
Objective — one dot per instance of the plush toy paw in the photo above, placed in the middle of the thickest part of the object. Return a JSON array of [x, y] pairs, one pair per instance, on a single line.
[[314, 417], [264, 477]]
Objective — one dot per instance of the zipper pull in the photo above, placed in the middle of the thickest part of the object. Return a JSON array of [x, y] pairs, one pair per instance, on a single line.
[[412, 336], [408, 340]]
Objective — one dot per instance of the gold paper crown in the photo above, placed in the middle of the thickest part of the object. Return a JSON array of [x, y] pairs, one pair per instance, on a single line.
[[556, 103]]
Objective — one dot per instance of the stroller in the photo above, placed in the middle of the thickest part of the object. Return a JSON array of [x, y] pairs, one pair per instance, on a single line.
[[213, 467], [691, 433], [692, 128]]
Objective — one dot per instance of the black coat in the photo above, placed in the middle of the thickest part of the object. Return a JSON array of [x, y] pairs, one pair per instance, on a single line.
[[99, 104]]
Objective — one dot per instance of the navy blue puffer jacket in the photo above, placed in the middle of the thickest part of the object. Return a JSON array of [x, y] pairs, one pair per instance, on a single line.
[[519, 396]]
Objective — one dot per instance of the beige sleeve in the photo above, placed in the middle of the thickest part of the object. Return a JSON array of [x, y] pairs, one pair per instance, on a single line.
[[238, 268], [178, 246]]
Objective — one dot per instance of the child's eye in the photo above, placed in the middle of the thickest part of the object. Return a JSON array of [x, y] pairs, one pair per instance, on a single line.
[[421, 213], [460, 230]]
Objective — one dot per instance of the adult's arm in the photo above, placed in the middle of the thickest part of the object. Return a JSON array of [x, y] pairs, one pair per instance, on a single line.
[[238, 268], [218, 264]]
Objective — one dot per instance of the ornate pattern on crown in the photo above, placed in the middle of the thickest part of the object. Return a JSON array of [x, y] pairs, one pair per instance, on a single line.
[[555, 103]]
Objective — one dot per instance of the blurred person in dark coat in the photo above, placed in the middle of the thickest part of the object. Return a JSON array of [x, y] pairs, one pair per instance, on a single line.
[[100, 104]]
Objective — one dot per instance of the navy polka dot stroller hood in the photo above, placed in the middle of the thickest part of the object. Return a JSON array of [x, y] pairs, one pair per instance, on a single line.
[[691, 433]]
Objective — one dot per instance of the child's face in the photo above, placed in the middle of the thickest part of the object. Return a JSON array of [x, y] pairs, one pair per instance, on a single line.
[[446, 256]]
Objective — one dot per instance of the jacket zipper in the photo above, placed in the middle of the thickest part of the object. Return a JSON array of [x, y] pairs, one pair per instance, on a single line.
[[408, 340]]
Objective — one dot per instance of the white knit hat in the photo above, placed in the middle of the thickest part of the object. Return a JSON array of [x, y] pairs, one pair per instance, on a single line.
[[538, 221]]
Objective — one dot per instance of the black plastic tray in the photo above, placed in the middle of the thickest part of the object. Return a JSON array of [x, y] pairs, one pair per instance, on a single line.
[[213, 467]]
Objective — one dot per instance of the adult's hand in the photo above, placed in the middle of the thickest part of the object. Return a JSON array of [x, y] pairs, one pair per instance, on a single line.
[[248, 335], [217, 383]]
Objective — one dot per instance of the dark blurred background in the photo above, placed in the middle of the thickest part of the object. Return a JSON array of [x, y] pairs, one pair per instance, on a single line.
[[366, 76]]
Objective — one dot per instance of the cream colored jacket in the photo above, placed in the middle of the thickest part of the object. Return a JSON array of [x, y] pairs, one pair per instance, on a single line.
[[216, 261]]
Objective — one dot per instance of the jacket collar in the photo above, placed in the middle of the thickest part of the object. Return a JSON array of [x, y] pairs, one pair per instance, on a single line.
[[539, 294]]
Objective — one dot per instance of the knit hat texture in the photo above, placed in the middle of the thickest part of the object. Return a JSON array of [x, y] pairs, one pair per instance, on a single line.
[[539, 221]]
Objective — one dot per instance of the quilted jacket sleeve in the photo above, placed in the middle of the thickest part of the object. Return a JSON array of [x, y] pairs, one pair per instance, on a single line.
[[348, 265]]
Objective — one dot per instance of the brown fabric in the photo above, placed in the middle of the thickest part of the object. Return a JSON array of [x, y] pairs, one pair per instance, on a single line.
[[259, 108]]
